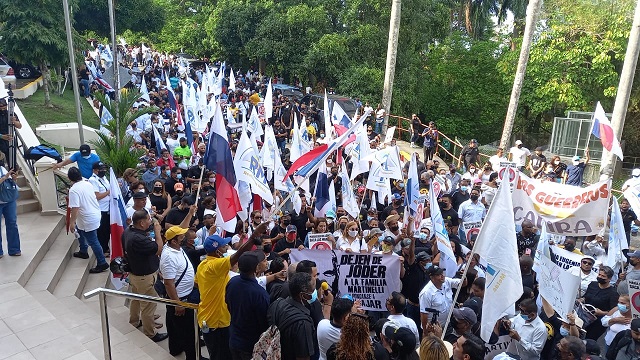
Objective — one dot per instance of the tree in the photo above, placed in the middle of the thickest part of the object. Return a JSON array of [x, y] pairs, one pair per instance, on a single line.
[[33, 32], [134, 15]]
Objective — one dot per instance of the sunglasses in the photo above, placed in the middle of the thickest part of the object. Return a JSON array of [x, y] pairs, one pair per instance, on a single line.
[[586, 262]]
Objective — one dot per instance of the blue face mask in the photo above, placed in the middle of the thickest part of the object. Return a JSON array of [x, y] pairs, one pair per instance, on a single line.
[[179, 176], [168, 172], [622, 308], [401, 185], [464, 188], [524, 317], [423, 236], [428, 265], [564, 332], [314, 297], [380, 238]]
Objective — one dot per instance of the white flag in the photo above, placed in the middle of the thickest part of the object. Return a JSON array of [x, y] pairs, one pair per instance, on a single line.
[[268, 103], [144, 93], [349, 202], [232, 81], [253, 124], [496, 244], [617, 238], [359, 153], [248, 169], [328, 127], [389, 161], [447, 258], [412, 188], [269, 151]]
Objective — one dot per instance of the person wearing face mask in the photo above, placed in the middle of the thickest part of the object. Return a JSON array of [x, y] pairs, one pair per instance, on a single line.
[[293, 318], [471, 210], [350, 241], [279, 230], [461, 195], [603, 297], [151, 174], [339, 226], [175, 178], [84, 159], [557, 329], [519, 154], [291, 241], [102, 188], [626, 344], [471, 174], [160, 200], [178, 213], [414, 278], [166, 159], [396, 204], [398, 187], [618, 319], [212, 277], [586, 273], [527, 330], [537, 164]]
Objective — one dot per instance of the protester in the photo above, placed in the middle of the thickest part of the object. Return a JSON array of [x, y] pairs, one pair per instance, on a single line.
[[328, 331], [432, 348], [528, 332], [626, 343], [617, 319], [603, 297], [468, 347], [586, 274], [102, 190], [519, 155], [9, 210], [574, 172], [354, 340], [84, 158], [436, 298]]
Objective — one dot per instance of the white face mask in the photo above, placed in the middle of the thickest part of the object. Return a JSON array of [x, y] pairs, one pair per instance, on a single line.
[[353, 233]]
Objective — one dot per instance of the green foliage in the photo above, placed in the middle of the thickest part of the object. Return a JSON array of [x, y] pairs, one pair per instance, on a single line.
[[133, 15]]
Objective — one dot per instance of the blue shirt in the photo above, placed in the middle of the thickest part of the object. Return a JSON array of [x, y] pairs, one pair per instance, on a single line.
[[248, 303], [85, 165], [574, 174]]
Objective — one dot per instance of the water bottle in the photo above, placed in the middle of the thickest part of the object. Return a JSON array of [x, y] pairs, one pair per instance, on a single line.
[[205, 328]]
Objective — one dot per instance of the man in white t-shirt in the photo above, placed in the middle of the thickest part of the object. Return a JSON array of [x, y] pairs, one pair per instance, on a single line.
[[437, 295], [396, 304], [85, 219], [328, 331], [102, 190], [496, 159], [519, 154], [178, 277]]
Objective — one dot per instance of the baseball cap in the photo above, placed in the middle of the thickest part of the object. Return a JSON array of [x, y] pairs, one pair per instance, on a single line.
[[174, 231], [248, 261], [592, 347], [99, 165], [402, 336], [85, 150], [397, 196], [635, 254], [452, 166], [178, 186], [375, 231], [576, 158], [539, 148], [291, 228], [388, 239], [635, 324], [214, 242], [474, 303], [466, 314], [435, 270], [406, 243], [635, 172], [518, 142], [331, 214], [139, 195], [422, 256]]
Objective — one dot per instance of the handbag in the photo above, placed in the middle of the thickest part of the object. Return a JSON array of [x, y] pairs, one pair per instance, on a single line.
[[8, 189], [586, 312]]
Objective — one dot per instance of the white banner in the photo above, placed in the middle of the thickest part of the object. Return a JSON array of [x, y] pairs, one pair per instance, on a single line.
[[491, 350], [471, 228], [319, 241], [564, 209], [634, 297], [566, 259], [368, 277], [556, 285]]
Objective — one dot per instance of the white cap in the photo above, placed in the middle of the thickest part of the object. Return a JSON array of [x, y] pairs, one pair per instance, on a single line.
[[518, 142], [635, 172]]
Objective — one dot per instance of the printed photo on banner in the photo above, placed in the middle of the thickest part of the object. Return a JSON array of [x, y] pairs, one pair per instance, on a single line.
[[509, 171], [556, 285], [320, 241], [491, 350], [564, 209], [370, 278], [634, 297], [471, 228]]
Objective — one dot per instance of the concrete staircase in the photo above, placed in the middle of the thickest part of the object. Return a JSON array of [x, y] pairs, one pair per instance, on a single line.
[[42, 312]]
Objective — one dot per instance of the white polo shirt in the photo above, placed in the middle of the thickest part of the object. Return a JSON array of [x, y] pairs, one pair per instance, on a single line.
[[470, 212], [438, 299], [83, 197], [406, 322], [172, 264], [101, 185]]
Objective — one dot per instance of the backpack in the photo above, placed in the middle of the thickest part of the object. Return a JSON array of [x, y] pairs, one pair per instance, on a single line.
[[36, 153], [268, 346]]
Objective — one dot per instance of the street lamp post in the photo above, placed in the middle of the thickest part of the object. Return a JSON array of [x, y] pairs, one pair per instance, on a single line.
[[74, 73]]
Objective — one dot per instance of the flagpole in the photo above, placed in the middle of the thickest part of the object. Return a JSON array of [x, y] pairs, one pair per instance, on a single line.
[[200, 184], [466, 268]]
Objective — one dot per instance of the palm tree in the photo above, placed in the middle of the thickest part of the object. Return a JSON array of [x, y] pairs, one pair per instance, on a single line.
[[119, 154]]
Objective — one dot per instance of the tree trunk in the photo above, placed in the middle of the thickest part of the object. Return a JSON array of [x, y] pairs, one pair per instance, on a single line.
[[532, 17], [46, 77], [468, 24]]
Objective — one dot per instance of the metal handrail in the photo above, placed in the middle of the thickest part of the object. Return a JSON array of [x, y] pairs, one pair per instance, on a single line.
[[104, 317]]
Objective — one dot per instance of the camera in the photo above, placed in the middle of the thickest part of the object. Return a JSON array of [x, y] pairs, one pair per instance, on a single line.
[[434, 314]]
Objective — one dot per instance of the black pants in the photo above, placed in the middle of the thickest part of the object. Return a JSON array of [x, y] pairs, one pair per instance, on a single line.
[[181, 333], [104, 231], [428, 153], [240, 355], [217, 341]]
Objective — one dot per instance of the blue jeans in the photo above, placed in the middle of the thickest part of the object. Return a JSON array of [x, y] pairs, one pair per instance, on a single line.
[[413, 313], [85, 87], [9, 212], [378, 127], [90, 238]]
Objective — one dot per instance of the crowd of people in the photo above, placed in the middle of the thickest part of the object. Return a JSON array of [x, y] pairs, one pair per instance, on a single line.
[[245, 282]]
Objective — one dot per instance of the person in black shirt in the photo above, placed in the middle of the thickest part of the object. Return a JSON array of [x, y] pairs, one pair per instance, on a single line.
[[291, 241], [413, 280], [628, 216], [447, 210], [280, 229], [142, 254], [604, 297], [461, 195], [537, 164], [527, 239], [179, 213], [301, 220], [189, 248], [470, 154]]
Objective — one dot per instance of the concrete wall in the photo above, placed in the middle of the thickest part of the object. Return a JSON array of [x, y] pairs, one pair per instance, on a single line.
[[65, 134]]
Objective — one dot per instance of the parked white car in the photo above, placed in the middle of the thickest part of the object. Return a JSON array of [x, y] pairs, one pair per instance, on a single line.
[[6, 73]]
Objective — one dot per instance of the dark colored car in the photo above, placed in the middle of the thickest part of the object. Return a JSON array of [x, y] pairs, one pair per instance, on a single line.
[[348, 105], [24, 71], [290, 91]]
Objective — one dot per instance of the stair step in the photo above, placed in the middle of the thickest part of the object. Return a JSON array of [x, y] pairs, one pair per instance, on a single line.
[[21, 181], [53, 264], [27, 205], [25, 193]]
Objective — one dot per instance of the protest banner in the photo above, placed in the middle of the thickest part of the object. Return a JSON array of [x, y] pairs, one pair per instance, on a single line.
[[491, 350], [632, 194], [509, 171], [261, 112], [370, 278], [566, 259], [389, 135], [634, 297], [556, 285], [471, 228], [563, 209], [319, 241]]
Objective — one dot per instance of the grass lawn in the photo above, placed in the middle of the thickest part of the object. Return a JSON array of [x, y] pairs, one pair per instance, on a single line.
[[64, 110]]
